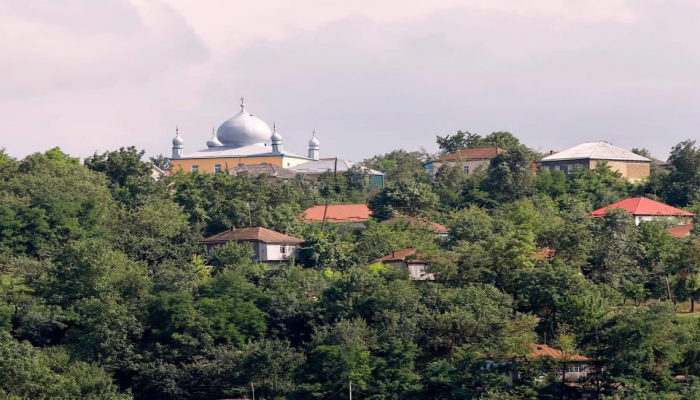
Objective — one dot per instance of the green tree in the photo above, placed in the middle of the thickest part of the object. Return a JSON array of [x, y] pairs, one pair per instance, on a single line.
[[403, 197]]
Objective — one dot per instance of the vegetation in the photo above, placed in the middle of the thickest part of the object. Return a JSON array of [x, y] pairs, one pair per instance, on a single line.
[[106, 294]]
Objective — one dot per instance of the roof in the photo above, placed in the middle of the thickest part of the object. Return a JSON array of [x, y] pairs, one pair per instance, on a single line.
[[273, 171], [339, 213], [680, 231], [545, 253], [595, 151], [253, 150], [542, 350], [639, 206], [253, 234], [400, 255], [329, 164], [418, 222], [479, 153]]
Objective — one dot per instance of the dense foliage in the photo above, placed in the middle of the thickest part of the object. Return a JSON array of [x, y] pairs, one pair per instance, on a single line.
[[106, 294]]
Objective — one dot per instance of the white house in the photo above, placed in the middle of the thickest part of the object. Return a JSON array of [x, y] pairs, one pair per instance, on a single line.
[[272, 248], [408, 259]]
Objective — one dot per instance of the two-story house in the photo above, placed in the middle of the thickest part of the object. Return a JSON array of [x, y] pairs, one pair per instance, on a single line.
[[272, 248]]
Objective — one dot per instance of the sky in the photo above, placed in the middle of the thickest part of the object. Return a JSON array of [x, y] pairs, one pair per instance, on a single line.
[[370, 76]]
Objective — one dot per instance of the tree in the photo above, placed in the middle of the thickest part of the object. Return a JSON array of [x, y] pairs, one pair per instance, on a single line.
[[403, 197], [683, 183], [161, 162], [510, 175], [120, 166], [399, 164]]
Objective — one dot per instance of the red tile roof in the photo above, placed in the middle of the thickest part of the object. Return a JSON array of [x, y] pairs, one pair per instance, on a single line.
[[400, 255], [680, 231], [482, 153], [643, 206], [418, 222], [542, 350], [256, 234], [339, 213]]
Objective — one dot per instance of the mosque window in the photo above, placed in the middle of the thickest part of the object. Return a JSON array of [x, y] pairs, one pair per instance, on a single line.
[[195, 168], [217, 168]]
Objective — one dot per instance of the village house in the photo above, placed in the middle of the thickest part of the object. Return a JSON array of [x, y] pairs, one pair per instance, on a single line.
[[408, 260], [271, 248], [469, 159], [337, 213], [574, 367], [632, 166], [643, 209], [271, 170], [419, 223]]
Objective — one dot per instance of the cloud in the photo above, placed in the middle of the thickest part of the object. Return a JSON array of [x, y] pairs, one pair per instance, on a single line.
[[369, 76]]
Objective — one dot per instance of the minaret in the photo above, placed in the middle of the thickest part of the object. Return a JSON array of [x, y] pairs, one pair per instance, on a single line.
[[214, 141], [276, 140], [314, 146], [178, 145]]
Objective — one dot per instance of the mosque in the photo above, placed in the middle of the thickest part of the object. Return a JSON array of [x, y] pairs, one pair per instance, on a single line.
[[239, 141]]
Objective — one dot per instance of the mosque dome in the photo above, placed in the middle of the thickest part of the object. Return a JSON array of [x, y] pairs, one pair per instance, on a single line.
[[243, 129], [276, 137], [214, 141], [178, 141], [314, 141]]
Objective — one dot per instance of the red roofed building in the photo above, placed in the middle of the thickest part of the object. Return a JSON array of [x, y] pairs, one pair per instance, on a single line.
[[338, 213], [470, 159], [271, 248], [576, 366], [419, 223], [408, 259], [644, 209]]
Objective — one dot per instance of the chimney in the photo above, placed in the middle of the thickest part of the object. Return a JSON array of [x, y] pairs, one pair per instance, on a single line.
[[233, 227], [393, 254]]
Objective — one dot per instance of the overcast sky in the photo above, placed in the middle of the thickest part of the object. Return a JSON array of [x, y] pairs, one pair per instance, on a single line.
[[370, 75]]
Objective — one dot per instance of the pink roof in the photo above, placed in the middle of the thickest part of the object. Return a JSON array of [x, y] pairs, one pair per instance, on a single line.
[[542, 350], [639, 206], [338, 213], [400, 255], [680, 231], [413, 222]]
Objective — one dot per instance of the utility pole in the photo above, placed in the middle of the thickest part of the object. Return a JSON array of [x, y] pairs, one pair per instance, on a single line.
[[253, 389], [350, 390]]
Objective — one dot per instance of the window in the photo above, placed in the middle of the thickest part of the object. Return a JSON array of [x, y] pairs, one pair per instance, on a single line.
[[556, 167], [217, 168], [195, 168], [466, 169], [569, 169], [284, 249], [545, 167]]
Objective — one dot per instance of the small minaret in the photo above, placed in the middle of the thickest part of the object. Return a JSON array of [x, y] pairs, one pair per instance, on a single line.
[[276, 140], [214, 141], [178, 145], [314, 147]]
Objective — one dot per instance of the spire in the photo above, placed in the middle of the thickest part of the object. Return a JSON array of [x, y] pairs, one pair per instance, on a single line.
[[214, 141], [178, 144], [276, 139], [314, 146], [243, 103]]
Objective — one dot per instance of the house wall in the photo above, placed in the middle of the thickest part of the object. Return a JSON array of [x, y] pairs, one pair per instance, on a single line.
[[676, 220], [273, 252], [417, 271], [631, 170], [434, 166], [207, 164]]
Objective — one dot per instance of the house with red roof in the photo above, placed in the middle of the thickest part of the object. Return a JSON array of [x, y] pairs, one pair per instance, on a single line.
[[469, 159], [644, 209], [338, 213], [409, 260], [271, 248], [418, 223]]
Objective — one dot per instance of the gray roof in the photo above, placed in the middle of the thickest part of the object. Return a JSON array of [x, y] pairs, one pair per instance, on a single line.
[[254, 150], [328, 164], [264, 169], [596, 151]]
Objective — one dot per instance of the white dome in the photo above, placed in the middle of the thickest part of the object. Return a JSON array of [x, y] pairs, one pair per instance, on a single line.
[[178, 141], [314, 141], [214, 141], [276, 137], [243, 130]]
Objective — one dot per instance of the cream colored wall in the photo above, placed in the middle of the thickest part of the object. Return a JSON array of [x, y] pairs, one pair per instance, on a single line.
[[631, 170], [289, 162], [472, 164], [207, 164]]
